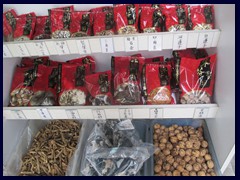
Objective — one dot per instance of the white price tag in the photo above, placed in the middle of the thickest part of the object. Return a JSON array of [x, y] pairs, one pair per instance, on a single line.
[[6, 52], [179, 41], [41, 48], [83, 46], [156, 113], [22, 50], [107, 45], [44, 113], [125, 113], [61, 47], [155, 43], [205, 40], [131, 43], [99, 114], [72, 114], [201, 112], [125, 125], [18, 114]]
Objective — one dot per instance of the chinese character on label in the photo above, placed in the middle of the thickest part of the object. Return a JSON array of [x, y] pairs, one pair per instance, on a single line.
[[205, 41], [131, 44]]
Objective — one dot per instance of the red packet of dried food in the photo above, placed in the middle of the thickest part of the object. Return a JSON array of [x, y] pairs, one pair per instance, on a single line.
[[126, 18], [72, 87], [150, 5], [201, 17], [81, 23], [176, 17], [152, 20], [25, 27], [9, 24], [22, 86], [127, 73], [45, 87], [42, 28], [84, 60], [190, 53], [99, 87], [197, 78], [29, 62], [156, 84], [159, 59]]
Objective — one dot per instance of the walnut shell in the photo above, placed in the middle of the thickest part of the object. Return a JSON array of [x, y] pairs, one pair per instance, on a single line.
[[156, 144], [157, 131], [191, 131], [207, 157], [175, 126], [176, 131], [203, 152], [157, 151], [161, 173], [171, 134], [173, 139], [168, 173], [174, 152], [196, 153], [155, 136], [185, 173], [178, 159], [181, 144], [182, 163], [182, 152], [171, 128], [204, 144], [189, 167], [188, 152], [166, 166], [184, 139], [204, 166], [185, 128], [176, 173], [162, 127], [166, 152], [157, 168], [213, 174], [170, 159], [193, 173], [200, 160], [169, 146], [175, 164], [189, 144], [162, 146], [163, 140], [196, 167], [196, 145], [179, 136], [201, 173], [210, 164], [187, 158], [156, 126]]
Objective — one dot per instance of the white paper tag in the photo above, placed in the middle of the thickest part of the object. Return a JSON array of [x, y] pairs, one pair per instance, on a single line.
[[107, 45], [125, 113], [18, 114], [41, 48], [61, 47], [44, 113], [83, 46], [22, 50], [72, 114], [179, 41], [125, 125], [205, 40], [98, 114], [155, 43], [6, 52], [201, 112], [131, 43], [156, 113]]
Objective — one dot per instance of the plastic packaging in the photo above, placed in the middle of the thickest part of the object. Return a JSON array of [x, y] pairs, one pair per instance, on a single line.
[[29, 62], [42, 28], [9, 24], [84, 60], [197, 79], [159, 59]]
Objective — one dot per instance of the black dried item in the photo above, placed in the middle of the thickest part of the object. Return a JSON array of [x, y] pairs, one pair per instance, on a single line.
[[101, 100], [42, 98]]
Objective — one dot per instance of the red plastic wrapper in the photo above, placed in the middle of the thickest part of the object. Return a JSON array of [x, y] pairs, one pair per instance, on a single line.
[[60, 22], [42, 28], [22, 86], [9, 24], [197, 78], [101, 9], [201, 17], [72, 87], [127, 73], [191, 53], [159, 59], [126, 18], [99, 87], [45, 87], [25, 27], [156, 84], [85, 60], [176, 17], [152, 20], [29, 62], [81, 23]]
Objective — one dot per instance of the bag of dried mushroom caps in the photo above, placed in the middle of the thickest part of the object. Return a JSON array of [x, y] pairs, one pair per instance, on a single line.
[[197, 78], [42, 28]]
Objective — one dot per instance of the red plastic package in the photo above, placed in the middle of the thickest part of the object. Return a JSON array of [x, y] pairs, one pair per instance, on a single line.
[[84, 60], [72, 87], [9, 24], [152, 20], [99, 87], [45, 87], [176, 17], [81, 23], [42, 28], [126, 79], [22, 86], [197, 78], [126, 18], [156, 6], [25, 27], [137, 55], [156, 84], [159, 59], [29, 62], [101, 9], [190, 53], [201, 17]]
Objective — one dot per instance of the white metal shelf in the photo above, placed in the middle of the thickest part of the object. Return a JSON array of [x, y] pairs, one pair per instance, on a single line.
[[113, 112], [111, 44]]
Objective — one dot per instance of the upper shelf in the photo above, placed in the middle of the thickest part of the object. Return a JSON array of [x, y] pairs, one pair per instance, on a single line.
[[110, 44]]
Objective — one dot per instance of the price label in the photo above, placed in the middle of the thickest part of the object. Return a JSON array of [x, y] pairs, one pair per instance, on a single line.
[[72, 114], [201, 112], [6, 52], [44, 113], [22, 50], [61, 47], [125, 113], [155, 43], [179, 41], [99, 114], [41, 48], [18, 114], [156, 113], [83, 47], [205, 40], [107, 45], [131, 44]]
